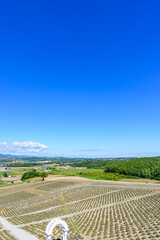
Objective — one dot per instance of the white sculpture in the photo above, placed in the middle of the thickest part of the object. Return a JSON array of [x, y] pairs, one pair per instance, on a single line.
[[56, 222]]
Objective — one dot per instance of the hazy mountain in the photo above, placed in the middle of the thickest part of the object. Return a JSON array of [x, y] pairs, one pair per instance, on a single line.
[[11, 156]]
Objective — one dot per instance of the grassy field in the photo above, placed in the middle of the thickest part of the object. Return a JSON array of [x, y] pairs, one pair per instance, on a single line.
[[8, 173], [15, 172], [97, 174], [92, 211]]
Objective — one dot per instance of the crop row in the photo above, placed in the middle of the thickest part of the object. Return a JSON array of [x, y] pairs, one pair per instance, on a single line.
[[57, 185], [16, 197], [29, 191], [85, 192], [134, 220], [138, 219], [5, 235], [76, 207], [54, 200], [39, 231]]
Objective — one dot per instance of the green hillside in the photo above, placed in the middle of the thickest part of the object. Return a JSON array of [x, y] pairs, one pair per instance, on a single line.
[[140, 167]]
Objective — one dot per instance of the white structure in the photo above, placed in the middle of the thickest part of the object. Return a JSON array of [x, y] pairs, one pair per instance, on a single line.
[[56, 222]]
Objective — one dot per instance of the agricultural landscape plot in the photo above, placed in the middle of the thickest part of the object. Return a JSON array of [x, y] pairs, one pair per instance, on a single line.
[[92, 211], [34, 190], [6, 235]]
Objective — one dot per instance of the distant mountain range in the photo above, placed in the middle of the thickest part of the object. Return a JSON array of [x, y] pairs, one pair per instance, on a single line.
[[11, 156], [7, 156]]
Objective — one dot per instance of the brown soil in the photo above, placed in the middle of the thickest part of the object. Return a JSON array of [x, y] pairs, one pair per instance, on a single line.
[[76, 178]]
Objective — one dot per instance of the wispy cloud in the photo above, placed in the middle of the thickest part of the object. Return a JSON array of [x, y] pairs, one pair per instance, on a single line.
[[27, 147]]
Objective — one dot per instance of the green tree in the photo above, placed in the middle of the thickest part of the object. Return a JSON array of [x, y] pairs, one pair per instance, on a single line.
[[146, 173], [53, 168], [5, 174], [140, 167], [30, 174], [43, 175]]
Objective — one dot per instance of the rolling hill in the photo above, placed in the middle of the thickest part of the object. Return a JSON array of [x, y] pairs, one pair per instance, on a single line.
[[140, 167]]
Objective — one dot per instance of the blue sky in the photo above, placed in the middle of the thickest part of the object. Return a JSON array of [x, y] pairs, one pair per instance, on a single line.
[[80, 78]]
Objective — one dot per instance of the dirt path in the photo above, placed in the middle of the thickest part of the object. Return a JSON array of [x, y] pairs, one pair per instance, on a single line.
[[126, 185], [143, 182], [89, 210], [127, 181], [15, 231]]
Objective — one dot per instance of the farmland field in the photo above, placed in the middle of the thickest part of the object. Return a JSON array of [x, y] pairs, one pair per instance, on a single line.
[[92, 210]]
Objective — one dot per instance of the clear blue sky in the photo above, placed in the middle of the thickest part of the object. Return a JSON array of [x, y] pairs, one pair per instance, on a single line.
[[80, 77]]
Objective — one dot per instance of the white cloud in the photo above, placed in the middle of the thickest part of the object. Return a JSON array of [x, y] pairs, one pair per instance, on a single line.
[[27, 147], [3, 143], [29, 144]]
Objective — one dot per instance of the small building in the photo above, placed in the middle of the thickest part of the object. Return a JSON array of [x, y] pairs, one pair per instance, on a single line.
[[15, 181], [47, 169]]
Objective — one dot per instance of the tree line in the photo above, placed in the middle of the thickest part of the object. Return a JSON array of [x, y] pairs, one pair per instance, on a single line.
[[33, 173], [95, 163], [21, 164], [140, 167]]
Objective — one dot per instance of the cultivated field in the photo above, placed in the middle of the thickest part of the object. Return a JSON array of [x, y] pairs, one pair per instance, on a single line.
[[93, 211]]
